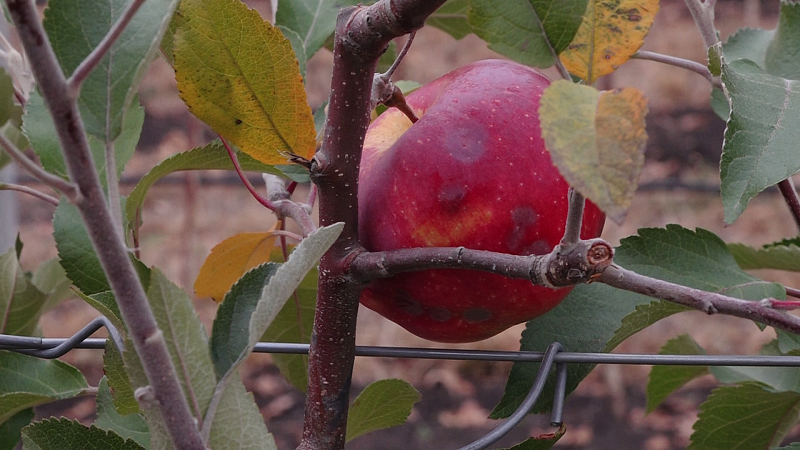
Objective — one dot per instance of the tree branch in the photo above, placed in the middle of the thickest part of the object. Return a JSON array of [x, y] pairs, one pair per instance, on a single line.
[[70, 190], [790, 195], [93, 59], [25, 189], [677, 62], [708, 302], [110, 248], [362, 34], [572, 229]]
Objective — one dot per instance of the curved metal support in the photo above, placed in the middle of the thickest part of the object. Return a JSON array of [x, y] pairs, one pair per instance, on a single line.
[[515, 418], [26, 344]]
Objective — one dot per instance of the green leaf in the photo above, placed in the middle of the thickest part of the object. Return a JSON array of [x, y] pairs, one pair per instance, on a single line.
[[75, 28], [597, 317], [130, 426], [238, 74], [21, 304], [238, 423], [382, 404], [118, 382], [532, 32], [760, 147], [105, 304], [542, 442], [297, 46], [788, 342], [10, 429], [293, 325], [212, 156], [748, 43], [719, 103], [792, 446], [664, 380], [229, 332], [6, 96], [41, 132], [747, 417], [65, 434], [51, 279], [29, 381], [186, 340], [783, 53], [777, 378], [452, 18], [775, 256], [76, 251], [597, 141], [13, 131], [271, 299], [313, 20]]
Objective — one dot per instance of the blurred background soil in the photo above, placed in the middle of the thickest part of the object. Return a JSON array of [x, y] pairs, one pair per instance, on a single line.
[[186, 216]]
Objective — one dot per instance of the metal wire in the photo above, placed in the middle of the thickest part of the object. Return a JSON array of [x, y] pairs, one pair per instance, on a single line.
[[55, 347]]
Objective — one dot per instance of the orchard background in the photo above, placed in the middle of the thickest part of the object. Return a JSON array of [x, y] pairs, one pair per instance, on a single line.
[[196, 210]]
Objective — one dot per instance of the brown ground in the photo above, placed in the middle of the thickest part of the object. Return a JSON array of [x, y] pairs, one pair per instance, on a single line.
[[183, 221]]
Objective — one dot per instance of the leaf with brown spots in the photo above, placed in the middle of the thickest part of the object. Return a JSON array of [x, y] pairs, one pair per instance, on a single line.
[[612, 31]]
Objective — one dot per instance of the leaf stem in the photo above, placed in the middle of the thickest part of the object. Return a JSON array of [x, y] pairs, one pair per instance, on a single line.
[[93, 59], [677, 62], [792, 292], [70, 190], [111, 251], [792, 200], [27, 190], [401, 55], [238, 167], [708, 302]]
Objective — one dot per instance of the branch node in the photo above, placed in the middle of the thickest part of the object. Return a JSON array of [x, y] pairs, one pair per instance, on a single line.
[[145, 395]]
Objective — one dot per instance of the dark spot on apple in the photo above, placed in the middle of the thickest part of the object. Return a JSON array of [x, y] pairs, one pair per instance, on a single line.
[[539, 247], [440, 314], [408, 304], [523, 217], [451, 197], [476, 315], [466, 144], [238, 121]]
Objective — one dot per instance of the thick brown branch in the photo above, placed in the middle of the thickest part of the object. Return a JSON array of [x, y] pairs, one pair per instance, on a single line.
[[362, 34], [109, 246], [708, 302]]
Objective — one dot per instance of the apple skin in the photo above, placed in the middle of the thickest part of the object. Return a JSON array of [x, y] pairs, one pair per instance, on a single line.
[[472, 172]]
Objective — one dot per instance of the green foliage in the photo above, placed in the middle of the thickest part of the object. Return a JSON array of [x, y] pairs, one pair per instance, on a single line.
[[747, 416], [10, 430], [76, 27], [237, 423], [784, 255], [76, 251], [760, 142], [382, 404], [597, 317], [452, 18], [21, 303], [130, 426], [782, 57], [118, 382], [29, 381], [212, 156], [532, 32], [664, 380], [65, 434], [312, 20]]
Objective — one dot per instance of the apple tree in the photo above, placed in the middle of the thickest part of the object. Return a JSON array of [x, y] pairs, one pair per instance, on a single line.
[[72, 100]]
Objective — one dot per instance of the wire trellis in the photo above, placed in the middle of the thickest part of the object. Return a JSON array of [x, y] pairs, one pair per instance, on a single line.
[[50, 348]]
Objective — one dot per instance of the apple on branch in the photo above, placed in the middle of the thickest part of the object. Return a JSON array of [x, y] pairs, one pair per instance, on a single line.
[[472, 172]]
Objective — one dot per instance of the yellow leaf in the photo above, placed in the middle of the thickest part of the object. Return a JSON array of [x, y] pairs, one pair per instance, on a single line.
[[610, 33], [229, 260], [597, 141], [239, 74]]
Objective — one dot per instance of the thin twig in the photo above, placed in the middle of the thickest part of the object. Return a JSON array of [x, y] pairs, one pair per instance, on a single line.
[[287, 234], [572, 230], [792, 292], [687, 64], [703, 14], [401, 55], [93, 59], [70, 190], [25, 189], [792, 200], [708, 302], [110, 248]]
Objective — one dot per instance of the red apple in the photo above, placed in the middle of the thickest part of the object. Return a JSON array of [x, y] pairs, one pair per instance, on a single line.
[[472, 172]]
